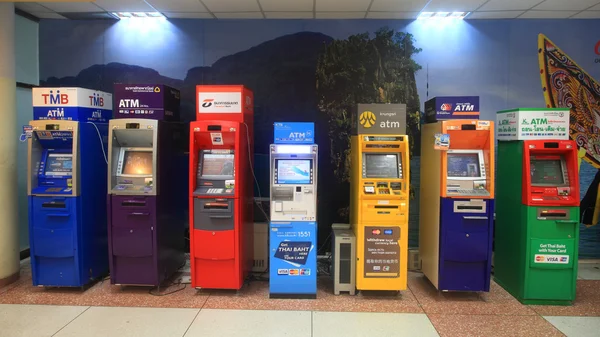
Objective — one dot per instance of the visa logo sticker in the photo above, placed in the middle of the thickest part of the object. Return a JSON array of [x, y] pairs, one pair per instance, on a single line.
[[283, 271], [552, 259], [388, 232]]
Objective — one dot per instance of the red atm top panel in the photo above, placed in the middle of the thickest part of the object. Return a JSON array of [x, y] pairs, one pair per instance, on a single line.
[[224, 103], [550, 173]]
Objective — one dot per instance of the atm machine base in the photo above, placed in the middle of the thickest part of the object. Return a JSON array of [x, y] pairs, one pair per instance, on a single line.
[[59, 243]]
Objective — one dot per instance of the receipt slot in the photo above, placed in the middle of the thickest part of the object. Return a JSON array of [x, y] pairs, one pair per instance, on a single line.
[[537, 231], [457, 207], [293, 228], [380, 185]]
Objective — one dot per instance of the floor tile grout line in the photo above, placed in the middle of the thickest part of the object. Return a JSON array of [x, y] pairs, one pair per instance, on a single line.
[[422, 309], [312, 327], [191, 323], [71, 321]]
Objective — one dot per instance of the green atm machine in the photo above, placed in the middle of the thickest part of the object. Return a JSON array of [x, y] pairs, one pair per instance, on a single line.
[[537, 207]]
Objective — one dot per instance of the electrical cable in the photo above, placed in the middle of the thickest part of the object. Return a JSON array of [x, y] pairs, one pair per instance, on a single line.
[[101, 143], [259, 204], [169, 293]]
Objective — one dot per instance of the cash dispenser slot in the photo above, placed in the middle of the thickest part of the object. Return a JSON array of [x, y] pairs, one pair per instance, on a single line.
[[54, 204], [214, 214], [214, 225], [468, 127], [133, 203], [553, 214], [283, 194]]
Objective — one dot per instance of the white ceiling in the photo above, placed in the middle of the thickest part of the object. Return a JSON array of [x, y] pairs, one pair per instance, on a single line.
[[325, 9]]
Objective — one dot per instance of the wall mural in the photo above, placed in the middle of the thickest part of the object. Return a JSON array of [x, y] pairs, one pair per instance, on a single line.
[[318, 70]]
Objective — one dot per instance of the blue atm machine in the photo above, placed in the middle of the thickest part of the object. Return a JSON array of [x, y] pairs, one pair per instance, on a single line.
[[293, 227], [67, 195]]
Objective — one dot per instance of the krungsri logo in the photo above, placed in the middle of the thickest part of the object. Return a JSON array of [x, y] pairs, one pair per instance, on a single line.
[[367, 119]]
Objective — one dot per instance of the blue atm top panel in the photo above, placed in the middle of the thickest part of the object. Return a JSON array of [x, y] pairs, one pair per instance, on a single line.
[[73, 104], [294, 133]]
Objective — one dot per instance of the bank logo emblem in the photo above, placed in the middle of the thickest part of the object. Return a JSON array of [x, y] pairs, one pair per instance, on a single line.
[[207, 103], [367, 119], [156, 89]]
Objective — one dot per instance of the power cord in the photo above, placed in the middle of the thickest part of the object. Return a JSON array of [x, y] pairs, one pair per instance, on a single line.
[[169, 293], [254, 175], [101, 143]]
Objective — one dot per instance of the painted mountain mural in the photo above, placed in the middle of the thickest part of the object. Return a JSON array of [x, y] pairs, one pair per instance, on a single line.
[[297, 77]]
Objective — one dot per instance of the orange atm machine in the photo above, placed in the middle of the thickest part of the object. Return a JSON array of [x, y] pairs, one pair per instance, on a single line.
[[221, 189], [457, 204]]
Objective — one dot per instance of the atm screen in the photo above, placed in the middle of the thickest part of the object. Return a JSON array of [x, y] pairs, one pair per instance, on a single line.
[[546, 172], [137, 163], [381, 165], [293, 171], [463, 165], [217, 164], [59, 164]]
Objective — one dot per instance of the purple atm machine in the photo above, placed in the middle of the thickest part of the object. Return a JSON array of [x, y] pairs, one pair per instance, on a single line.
[[146, 220]]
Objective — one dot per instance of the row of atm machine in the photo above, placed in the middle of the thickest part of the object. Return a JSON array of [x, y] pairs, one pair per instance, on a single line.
[[123, 186]]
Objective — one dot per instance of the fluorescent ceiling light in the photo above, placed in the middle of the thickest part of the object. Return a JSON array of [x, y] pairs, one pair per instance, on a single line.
[[443, 15], [138, 15]]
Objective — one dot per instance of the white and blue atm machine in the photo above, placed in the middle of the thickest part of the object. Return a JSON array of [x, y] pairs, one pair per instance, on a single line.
[[293, 227], [66, 186]]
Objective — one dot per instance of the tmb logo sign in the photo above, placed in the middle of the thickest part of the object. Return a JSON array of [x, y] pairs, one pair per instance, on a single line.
[[207, 103], [96, 100], [57, 98]]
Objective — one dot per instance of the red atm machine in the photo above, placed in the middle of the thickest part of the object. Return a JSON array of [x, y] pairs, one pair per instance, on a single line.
[[221, 187]]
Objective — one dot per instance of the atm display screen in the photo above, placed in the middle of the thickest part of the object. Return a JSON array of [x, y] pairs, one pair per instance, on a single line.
[[463, 165], [59, 164], [381, 165], [137, 163], [545, 172], [294, 171], [217, 164]]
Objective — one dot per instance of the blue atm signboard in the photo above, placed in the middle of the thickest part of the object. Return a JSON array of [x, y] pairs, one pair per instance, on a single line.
[[293, 259], [294, 133]]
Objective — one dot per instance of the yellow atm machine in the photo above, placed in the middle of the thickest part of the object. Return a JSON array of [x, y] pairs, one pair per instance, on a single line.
[[379, 197]]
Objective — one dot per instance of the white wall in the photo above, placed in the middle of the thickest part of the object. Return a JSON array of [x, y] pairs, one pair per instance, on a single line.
[[27, 71]]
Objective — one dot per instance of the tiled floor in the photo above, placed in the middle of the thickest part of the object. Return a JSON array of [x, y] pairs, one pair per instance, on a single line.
[[105, 310]]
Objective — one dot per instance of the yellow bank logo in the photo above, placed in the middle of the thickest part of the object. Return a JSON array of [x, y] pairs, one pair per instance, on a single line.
[[367, 119]]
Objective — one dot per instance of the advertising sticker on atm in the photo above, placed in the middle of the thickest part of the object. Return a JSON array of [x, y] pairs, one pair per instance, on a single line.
[[294, 252], [382, 252]]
